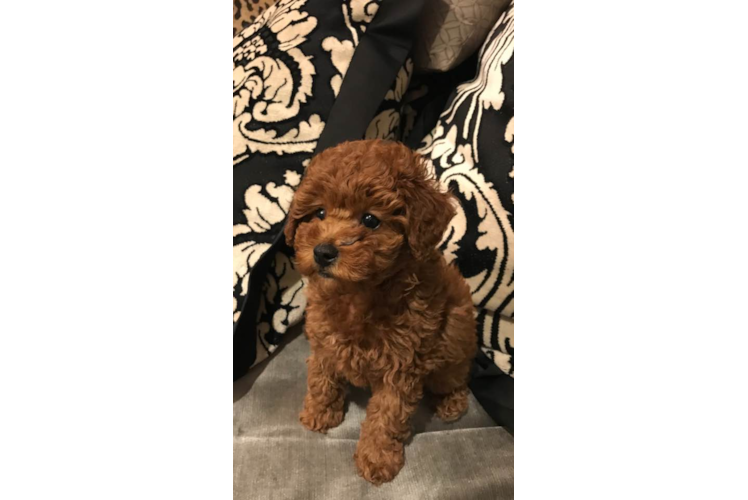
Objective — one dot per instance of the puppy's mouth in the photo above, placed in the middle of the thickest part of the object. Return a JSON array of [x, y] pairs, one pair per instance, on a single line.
[[325, 273]]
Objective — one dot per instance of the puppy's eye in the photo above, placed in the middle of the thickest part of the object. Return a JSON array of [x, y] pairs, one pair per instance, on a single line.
[[320, 213], [370, 221]]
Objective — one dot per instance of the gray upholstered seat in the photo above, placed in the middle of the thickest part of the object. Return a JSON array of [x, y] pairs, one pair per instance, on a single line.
[[276, 458]]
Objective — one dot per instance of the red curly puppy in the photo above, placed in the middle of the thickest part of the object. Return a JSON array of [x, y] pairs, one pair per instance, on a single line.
[[384, 309]]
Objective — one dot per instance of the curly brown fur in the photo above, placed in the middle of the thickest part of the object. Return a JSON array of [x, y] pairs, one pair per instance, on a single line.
[[389, 312]]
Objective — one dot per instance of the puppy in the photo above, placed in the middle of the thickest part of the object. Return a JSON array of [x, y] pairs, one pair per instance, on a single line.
[[384, 309]]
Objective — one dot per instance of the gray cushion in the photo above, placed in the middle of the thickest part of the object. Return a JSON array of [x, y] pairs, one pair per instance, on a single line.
[[276, 458]]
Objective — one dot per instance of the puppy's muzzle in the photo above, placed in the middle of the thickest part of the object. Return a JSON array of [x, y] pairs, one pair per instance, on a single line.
[[325, 254]]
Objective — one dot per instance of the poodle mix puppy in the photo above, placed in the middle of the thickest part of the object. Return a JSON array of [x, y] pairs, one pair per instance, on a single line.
[[384, 309]]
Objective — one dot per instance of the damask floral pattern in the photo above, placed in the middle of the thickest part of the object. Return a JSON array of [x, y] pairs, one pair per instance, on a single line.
[[288, 72], [386, 124], [463, 153], [273, 77], [265, 207], [357, 14]]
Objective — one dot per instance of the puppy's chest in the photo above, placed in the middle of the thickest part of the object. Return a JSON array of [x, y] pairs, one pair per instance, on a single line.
[[364, 345], [357, 316]]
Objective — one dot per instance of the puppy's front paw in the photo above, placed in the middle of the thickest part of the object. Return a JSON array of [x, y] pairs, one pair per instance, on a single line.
[[378, 461], [452, 406], [320, 420]]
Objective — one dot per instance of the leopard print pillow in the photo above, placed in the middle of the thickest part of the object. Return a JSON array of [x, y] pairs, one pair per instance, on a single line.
[[247, 11]]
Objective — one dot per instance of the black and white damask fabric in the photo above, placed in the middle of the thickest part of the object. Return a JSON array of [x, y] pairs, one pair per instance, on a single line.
[[281, 63], [471, 150], [289, 66]]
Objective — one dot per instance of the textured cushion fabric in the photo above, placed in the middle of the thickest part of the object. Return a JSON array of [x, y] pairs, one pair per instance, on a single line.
[[275, 457], [246, 11], [449, 31], [289, 70]]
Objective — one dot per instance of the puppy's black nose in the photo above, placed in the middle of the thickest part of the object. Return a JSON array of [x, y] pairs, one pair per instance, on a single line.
[[325, 254]]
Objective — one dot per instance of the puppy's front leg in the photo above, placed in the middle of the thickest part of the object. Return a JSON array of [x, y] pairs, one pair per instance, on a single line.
[[325, 396], [379, 454]]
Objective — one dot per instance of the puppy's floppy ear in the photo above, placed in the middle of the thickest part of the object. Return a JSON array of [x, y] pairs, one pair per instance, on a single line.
[[428, 209], [290, 229], [296, 213]]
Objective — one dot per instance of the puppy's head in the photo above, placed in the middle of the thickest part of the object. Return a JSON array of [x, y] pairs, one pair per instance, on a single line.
[[362, 207]]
